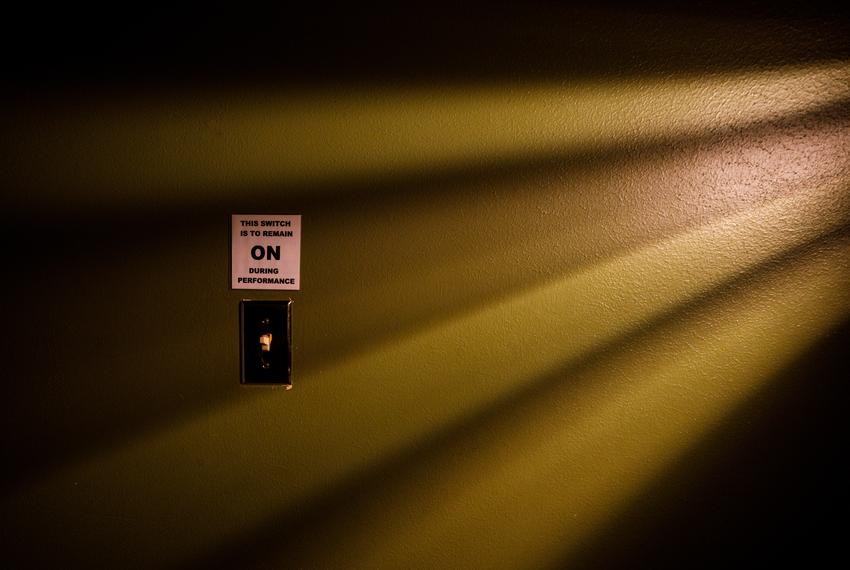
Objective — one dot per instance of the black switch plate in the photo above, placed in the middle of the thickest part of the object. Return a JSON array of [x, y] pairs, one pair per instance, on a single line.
[[266, 342]]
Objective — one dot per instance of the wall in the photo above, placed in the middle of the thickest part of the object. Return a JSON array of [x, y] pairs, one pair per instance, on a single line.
[[569, 276]]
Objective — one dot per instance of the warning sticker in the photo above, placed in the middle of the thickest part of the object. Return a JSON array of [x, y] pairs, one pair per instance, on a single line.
[[265, 251]]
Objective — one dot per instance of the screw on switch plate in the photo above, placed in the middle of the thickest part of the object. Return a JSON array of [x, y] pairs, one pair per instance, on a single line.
[[266, 342]]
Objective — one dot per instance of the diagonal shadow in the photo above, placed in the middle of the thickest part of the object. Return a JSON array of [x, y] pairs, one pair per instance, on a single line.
[[302, 527], [762, 488]]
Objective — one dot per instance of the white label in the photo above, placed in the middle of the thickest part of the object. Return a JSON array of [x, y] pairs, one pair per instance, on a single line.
[[265, 251]]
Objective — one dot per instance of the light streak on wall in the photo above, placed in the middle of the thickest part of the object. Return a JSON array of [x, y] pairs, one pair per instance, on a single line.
[[529, 488], [372, 406], [474, 245], [572, 278], [196, 149]]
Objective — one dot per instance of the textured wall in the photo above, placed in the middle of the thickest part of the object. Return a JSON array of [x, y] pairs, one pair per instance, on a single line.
[[548, 306]]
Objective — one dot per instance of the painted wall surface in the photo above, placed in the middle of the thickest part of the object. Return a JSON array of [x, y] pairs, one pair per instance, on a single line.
[[575, 294]]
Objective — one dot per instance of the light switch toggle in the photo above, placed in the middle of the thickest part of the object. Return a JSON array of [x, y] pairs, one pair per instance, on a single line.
[[266, 342], [265, 346]]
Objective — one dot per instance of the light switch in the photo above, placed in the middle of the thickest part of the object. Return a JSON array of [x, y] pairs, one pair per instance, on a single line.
[[266, 342]]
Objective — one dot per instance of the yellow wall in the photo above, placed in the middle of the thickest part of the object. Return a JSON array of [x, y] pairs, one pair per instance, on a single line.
[[528, 300]]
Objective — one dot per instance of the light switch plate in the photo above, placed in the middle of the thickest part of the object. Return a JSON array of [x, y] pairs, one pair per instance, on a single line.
[[265, 329]]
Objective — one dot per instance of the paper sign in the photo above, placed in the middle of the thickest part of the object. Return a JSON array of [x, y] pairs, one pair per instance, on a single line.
[[265, 251]]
